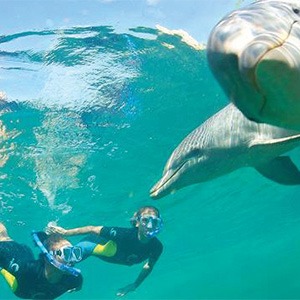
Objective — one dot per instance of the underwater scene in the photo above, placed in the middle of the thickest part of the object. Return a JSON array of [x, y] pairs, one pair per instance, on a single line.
[[89, 117]]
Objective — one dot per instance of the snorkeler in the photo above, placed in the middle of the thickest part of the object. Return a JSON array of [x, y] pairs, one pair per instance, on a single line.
[[48, 277], [126, 246]]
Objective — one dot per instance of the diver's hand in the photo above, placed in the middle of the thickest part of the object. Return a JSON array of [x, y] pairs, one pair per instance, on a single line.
[[123, 291], [50, 229]]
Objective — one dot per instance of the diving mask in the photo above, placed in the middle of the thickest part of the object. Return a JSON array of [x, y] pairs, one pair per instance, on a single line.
[[151, 224], [69, 254]]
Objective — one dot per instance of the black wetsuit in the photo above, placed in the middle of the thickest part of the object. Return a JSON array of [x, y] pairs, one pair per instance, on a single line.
[[19, 261], [130, 250]]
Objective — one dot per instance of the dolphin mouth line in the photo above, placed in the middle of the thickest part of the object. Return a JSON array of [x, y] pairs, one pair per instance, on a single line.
[[256, 83], [162, 185]]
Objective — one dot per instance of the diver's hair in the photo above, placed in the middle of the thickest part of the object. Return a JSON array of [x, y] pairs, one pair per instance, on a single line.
[[52, 239], [137, 214]]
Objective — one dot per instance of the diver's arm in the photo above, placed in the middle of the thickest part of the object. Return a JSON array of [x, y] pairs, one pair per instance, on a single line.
[[147, 269], [75, 231], [83, 230]]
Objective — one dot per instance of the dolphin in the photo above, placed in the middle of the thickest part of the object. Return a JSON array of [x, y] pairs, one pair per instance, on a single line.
[[254, 53], [224, 143]]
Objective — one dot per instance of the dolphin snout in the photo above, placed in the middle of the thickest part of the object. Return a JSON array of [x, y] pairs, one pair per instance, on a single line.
[[159, 190], [168, 184]]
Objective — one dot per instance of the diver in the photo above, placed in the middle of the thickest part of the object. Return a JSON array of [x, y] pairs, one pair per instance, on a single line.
[[126, 246], [47, 277]]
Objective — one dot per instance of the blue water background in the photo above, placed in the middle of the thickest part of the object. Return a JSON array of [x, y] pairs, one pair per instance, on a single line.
[[90, 119]]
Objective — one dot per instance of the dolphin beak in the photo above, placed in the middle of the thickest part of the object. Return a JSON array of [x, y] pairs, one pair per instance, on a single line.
[[168, 184], [157, 190]]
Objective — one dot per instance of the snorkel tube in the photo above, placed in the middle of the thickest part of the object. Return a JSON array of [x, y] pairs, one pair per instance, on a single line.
[[50, 258]]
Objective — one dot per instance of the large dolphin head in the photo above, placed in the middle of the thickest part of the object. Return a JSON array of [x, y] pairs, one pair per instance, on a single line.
[[254, 53], [189, 163]]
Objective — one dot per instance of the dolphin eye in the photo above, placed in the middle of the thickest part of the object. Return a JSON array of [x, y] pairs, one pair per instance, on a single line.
[[296, 10]]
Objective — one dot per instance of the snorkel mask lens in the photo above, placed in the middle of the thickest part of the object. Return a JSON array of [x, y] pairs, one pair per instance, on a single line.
[[152, 225], [70, 254]]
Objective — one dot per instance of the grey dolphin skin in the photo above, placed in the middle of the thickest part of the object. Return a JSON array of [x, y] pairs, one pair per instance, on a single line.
[[254, 53], [226, 142]]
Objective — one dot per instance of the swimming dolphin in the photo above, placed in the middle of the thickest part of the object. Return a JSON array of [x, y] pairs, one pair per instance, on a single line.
[[254, 53], [226, 142]]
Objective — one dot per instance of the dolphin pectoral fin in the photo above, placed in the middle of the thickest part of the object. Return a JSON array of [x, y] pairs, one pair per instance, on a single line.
[[281, 170]]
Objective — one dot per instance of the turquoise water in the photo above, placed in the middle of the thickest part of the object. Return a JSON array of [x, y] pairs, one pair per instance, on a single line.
[[90, 118]]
